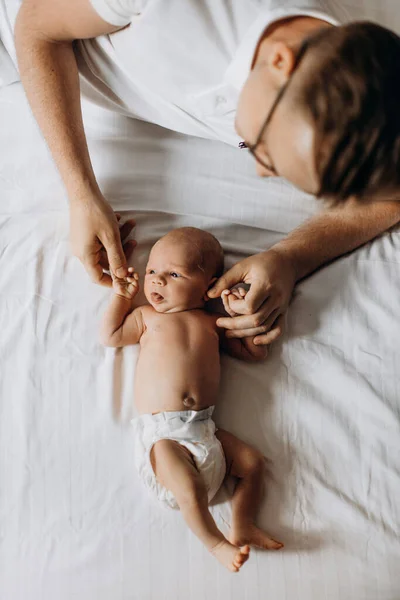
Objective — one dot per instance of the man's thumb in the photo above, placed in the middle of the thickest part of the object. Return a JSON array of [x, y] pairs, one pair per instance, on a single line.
[[226, 282]]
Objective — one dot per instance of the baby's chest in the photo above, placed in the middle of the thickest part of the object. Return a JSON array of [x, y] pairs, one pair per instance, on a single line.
[[182, 329]]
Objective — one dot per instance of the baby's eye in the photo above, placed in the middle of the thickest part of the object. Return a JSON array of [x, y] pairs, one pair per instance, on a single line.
[[175, 275], [150, 272]]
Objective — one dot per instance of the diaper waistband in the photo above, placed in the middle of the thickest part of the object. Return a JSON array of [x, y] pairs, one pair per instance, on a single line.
[[185, 416]]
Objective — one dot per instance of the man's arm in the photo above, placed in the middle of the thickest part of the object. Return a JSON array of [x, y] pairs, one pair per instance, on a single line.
[[44, 32], [273, 274], [121, 326], [335, 232]]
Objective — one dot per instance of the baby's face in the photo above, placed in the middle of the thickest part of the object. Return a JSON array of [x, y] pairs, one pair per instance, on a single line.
[[173, 281]]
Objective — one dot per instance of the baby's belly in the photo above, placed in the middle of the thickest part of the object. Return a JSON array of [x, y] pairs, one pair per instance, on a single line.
[[166, 384]]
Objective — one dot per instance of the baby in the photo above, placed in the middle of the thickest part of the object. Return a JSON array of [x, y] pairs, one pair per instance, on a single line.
[[180, 454]]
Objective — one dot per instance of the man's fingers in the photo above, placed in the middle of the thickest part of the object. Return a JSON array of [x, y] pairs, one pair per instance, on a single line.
[[254, 331], [262, 337], [272, 335], [249, 321], [241, 333], [256, 296], [103, 260], [128, 247], [126, 229], [116, 256], [227, 281], [96, 273]]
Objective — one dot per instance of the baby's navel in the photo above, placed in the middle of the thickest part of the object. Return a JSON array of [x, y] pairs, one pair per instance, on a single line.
[[189, 401]]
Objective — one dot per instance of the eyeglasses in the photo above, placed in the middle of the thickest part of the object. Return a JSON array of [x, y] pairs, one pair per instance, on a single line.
[[252, 147]]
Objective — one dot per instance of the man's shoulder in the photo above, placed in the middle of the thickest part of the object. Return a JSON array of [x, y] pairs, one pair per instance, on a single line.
[[119, 12], [334, 11]]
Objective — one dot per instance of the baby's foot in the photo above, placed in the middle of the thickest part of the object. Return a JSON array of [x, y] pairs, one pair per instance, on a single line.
[[253, 536], [230, 556]]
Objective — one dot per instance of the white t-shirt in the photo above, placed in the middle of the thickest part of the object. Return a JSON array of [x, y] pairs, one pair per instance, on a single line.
[[182, 63]]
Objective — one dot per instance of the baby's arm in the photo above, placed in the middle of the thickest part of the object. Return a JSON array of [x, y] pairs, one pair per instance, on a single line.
[[122, 326], [242, 348]]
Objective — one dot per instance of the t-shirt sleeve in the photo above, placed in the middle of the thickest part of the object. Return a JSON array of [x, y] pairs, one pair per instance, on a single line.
[[118, 12]]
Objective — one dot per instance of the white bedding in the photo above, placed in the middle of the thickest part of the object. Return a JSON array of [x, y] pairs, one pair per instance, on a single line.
[[75, 522]]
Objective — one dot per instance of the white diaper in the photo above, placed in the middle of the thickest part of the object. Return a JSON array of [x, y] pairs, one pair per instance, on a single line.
[[195, 430]]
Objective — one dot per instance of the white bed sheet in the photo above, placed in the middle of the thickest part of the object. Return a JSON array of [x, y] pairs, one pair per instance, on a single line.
[[75, 522]]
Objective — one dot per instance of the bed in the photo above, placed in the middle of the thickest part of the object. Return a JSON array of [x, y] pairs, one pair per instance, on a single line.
[[75, 521]]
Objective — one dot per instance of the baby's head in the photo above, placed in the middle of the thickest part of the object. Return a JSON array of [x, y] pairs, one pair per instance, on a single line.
[[181, 268]]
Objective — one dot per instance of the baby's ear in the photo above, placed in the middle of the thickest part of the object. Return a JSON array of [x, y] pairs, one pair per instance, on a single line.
[[206, 297]]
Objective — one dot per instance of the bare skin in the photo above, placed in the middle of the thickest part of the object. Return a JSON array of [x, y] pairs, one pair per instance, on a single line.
[[45, 30], [180, 344]]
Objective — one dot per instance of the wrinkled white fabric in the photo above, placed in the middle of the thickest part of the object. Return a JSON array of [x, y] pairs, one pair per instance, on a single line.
[[324, 408], [75, 520]]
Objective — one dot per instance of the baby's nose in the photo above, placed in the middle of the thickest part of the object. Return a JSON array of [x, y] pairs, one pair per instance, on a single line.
[[158, 280]]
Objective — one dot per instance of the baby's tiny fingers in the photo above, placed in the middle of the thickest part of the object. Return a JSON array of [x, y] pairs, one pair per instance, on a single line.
[[225, 301], [235, 294]]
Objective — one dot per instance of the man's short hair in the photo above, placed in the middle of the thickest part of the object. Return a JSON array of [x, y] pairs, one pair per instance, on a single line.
[[352, 92]]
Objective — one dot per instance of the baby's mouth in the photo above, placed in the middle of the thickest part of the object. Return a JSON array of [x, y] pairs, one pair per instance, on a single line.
[[156, 297]]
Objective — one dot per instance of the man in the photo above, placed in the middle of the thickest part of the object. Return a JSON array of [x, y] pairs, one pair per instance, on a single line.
[[315, 102]]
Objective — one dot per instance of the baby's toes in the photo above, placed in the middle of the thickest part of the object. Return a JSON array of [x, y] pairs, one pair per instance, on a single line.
[[241, 556]]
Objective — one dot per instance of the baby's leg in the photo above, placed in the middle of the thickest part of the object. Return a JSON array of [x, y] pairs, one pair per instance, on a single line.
[[175, 469], [247, 464]]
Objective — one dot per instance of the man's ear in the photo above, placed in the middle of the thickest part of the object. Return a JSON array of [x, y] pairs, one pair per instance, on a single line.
[[281, 61], [213, 280]]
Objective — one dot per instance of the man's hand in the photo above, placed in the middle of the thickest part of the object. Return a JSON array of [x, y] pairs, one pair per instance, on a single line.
[[243, 348], [127, 287], [96, 239], [271, 277]]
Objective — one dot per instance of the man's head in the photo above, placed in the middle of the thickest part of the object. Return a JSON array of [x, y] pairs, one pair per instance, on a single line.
[[182, 266], [335, 131]]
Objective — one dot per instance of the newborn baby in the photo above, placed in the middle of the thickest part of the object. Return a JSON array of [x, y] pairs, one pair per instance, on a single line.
[[180, 454]]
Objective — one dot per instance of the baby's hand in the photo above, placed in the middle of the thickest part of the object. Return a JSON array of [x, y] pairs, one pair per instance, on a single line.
[[127, 287], [229, 297]]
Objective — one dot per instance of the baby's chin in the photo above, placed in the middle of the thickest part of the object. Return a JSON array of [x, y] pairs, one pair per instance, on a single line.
[[161, 305], [165, 307]]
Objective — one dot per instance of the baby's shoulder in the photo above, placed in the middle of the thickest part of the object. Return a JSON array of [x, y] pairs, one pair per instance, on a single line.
[[147, 315], [147, 312]]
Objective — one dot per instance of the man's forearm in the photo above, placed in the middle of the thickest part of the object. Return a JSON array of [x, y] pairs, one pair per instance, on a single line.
[[336, 232], [49, 74]]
